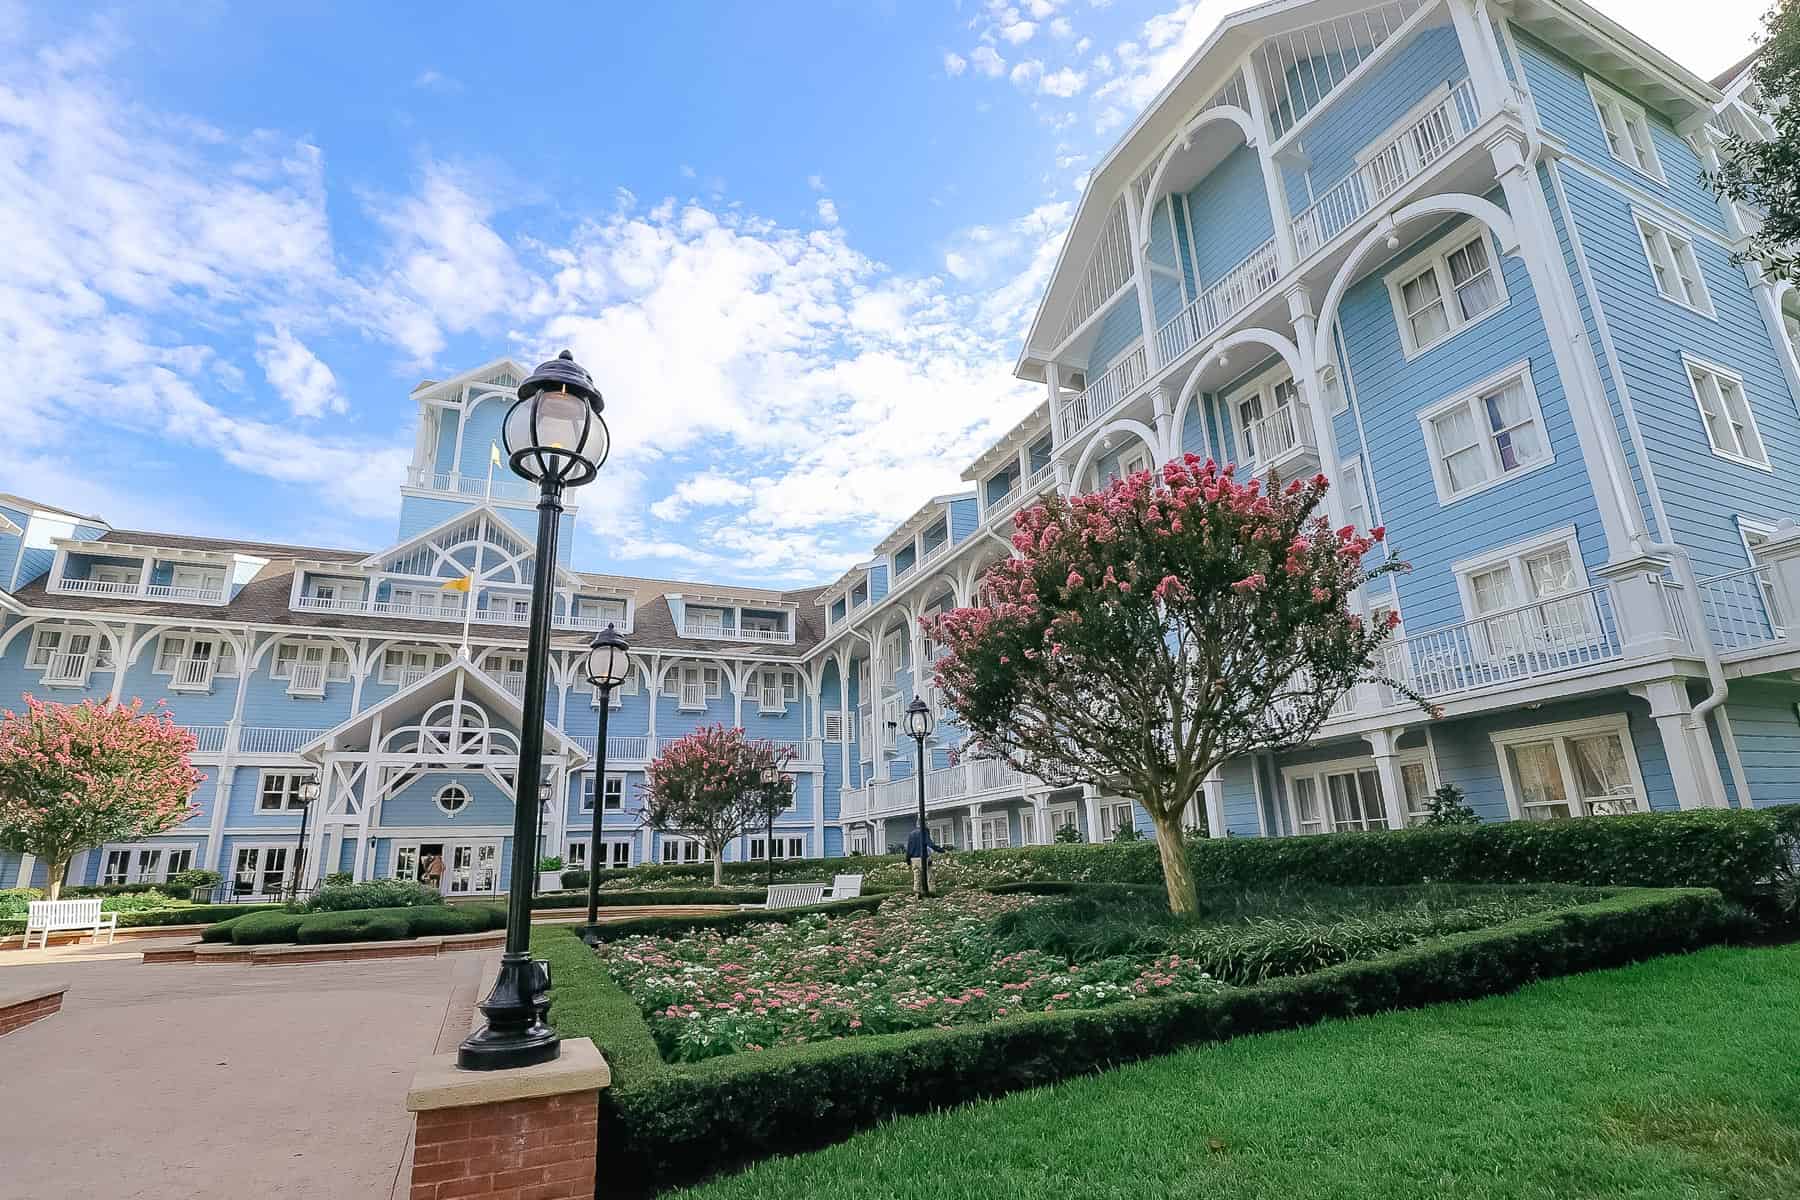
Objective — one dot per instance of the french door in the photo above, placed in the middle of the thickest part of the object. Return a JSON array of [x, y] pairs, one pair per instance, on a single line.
[[473, 868]]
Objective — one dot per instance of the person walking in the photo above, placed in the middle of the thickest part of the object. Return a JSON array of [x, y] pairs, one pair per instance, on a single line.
[[919, 847], [431, 872]]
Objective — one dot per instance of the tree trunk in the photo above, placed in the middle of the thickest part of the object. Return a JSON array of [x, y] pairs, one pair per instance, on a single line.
[[1178, 876], [58, 868], [719, 867]]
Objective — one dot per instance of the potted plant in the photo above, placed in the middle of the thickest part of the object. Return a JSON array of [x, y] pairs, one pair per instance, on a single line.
[[550, 873]]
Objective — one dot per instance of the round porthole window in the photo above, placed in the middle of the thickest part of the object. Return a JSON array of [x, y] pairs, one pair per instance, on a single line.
[[453, 798]]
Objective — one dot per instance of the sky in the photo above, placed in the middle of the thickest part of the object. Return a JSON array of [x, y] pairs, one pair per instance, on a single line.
[[796, 245]]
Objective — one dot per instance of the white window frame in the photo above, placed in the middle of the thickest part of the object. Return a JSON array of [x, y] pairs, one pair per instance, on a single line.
[[1440, 473], [628, 686], [1351, 472], [892, 653], [859, 841], [437, 659], [889, 721], [1644, 159], [47, 644], [1513, 556], [1691, 363], [687, 850], [993, 831], [787, 847], [1670, 254], [1062, 816], [1319, 772], [134, 868], [615, 785], [766, 683], [453, 785], [288, 789], [1561, 733], [1436, 258], [262, 852], [115, 573], [1264, 387], [1114, 814]]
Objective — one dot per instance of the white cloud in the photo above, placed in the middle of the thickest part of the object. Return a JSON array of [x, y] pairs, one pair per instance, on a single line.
[[987, 61], [1065, 83], [1060, 28], [828, 213], [433, 80], [954, 63], [1169, 40], [1027, 73], [702, 491], [816, 182], [297, 375], [1018, 32]]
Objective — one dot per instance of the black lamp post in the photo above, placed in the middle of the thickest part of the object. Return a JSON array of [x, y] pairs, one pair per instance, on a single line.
[[556, 438], [918, 724], [606, 668], [769, 776], [308, 792], [543, 825]]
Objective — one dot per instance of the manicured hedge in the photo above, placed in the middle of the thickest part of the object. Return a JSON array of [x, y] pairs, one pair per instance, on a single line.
[[668, 1124], [798, 870], [197, 914], [1739, 852], [355, 925], [175, 891], [578, 899], [612, 931]]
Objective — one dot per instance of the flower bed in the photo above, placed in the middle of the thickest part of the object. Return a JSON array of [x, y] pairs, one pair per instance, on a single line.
[[973, 957]]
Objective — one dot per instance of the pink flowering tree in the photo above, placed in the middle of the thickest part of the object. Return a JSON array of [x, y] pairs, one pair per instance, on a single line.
[[76, 776], [1145, 634], [716, 784]]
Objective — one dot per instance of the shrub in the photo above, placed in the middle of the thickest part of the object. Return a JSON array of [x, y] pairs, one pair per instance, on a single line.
[[1127, 832], [578, 899], [262, 928], [356, 925], [1446, 807], [269, 926], [550, 862], [197, 877], [338, 879], [373, 893], [196, 914], [452, 919], [669, 1123], [165, 891], [15, 902], [126, 902], [1068, 835], [612, 931]]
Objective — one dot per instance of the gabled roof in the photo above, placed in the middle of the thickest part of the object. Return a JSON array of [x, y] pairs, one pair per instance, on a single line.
[[438, 686], [427, 389], [564, 576], [12, 500]]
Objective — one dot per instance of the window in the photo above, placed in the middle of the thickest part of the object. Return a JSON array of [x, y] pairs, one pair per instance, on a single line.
[[1578, 769], [67, 657], [1725, 413], [1356, 499], [616, 698], [682, 850], [191, 662], [309, 664], [206, 582], [615, 854], [406, 665], [452, 798], [706, 620], [1627, 130], [694, 685], [280, 791], [114, 576], [995, 832], [1114, 817], [834, 726], [788, 847], [144, 863], [612, 801], [259, 870], [1343, 795], [1486, 435], [891, 709], [859, 841], [1514, 592], [1416, 780], [1674, 266], [1447, 288], [603, 610]]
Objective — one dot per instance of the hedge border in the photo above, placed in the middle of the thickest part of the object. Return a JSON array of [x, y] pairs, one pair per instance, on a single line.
[[669, 1124], [683, 896], [347, 925]]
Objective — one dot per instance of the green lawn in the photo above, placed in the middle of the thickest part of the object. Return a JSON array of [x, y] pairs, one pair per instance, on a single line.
[[1677, 1078]]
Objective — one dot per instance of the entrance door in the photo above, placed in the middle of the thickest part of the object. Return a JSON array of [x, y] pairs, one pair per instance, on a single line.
[[472, 868]]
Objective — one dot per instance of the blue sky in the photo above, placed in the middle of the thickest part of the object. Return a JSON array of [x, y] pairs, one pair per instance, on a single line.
[[796, 245]]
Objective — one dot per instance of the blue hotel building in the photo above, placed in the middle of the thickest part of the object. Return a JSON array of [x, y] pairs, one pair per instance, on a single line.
[[1456, 254]]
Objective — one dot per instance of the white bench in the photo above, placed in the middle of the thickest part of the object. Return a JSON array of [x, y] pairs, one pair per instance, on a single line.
[[46, 917], [845, 887], [794, 895]]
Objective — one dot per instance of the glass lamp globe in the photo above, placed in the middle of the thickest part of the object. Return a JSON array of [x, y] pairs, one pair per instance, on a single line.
[[554, 431], [607, 664], [918, 718]]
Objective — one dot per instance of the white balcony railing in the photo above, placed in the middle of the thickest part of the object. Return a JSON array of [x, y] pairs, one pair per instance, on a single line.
[[68, 669], [964, 782], [1105, 393], [209, 594], [1551, 637], [1233, 292], [97, 587], [457, 484], [1285, 434], [192, 674], [512, 681], [719, 634], [620, 747], [208, 739], [198, 595], [1389, 168], [1742, 610], [273, 739], [307, 679]]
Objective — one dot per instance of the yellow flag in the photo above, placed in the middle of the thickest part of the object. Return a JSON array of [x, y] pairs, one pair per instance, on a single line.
[[494, 453], [460, 584]]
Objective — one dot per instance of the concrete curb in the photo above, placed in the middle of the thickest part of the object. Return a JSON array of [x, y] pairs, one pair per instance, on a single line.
[[20, 1006]]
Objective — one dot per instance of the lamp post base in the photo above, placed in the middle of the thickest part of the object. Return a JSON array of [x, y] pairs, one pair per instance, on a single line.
[[590, 935], [515, 1034]]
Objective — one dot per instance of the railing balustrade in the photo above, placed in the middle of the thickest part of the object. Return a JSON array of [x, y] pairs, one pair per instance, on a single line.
[[718, 634], [1280, 434], [308, 679], [1741, 609], [1105, 393], [469, 485], [67, 668], [208, 739], [1387, 170], [193, 673], [273, 739], [966, 780], [1234, 291]]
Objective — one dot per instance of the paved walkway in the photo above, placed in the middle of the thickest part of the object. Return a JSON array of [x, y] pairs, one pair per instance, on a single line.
[[220, 1081]]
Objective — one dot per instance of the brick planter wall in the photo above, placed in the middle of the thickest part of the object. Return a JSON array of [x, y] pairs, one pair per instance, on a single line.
[[530, 1134], [20, 1008]]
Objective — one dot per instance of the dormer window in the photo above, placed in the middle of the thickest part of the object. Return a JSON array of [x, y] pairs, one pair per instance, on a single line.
[[194, 583], [706, 620], [599, 611], [859, 595]]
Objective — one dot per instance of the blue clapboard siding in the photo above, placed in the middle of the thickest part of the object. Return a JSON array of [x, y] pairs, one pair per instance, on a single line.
[[1566, 108], [1231, 215], [1119, 328], [1166, 297], [1391, 391], [1766, 725], [1703, 493]]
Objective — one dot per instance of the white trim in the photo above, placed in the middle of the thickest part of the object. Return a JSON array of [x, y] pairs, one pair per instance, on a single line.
[[134, 848], [1602, 95], [1692, 362], [1375, 817], [1512, 555], [1677, 242], [1440, 475], [453, 785], [290, 789], [1619, 724], [1436, 258]]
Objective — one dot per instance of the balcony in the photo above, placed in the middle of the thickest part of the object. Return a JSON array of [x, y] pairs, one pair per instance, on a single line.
[[619, 747], [192, 675], [1386, 169], [1283, 441], [966, 782], [141, 590], [1742, 610], [68, 670], [307, 679], [457, 484], [273, 739], [1558, 636], [1016, 497], [1234, 291], [448, 607], [717, 633], [1106, 393], [512, 681]]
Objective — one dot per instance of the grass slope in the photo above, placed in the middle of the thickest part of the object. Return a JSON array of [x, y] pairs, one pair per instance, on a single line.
[[1670, 1079]]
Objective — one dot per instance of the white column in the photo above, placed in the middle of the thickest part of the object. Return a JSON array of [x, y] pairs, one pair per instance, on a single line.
[[1053, 382], [1140, 273], [1481, 55], [1300, 310], [1090, 800], [1387, 765], [1040, 805], [1640, 608], [1693, 768], [1273, 188], [1214, 796], [27, 864]]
